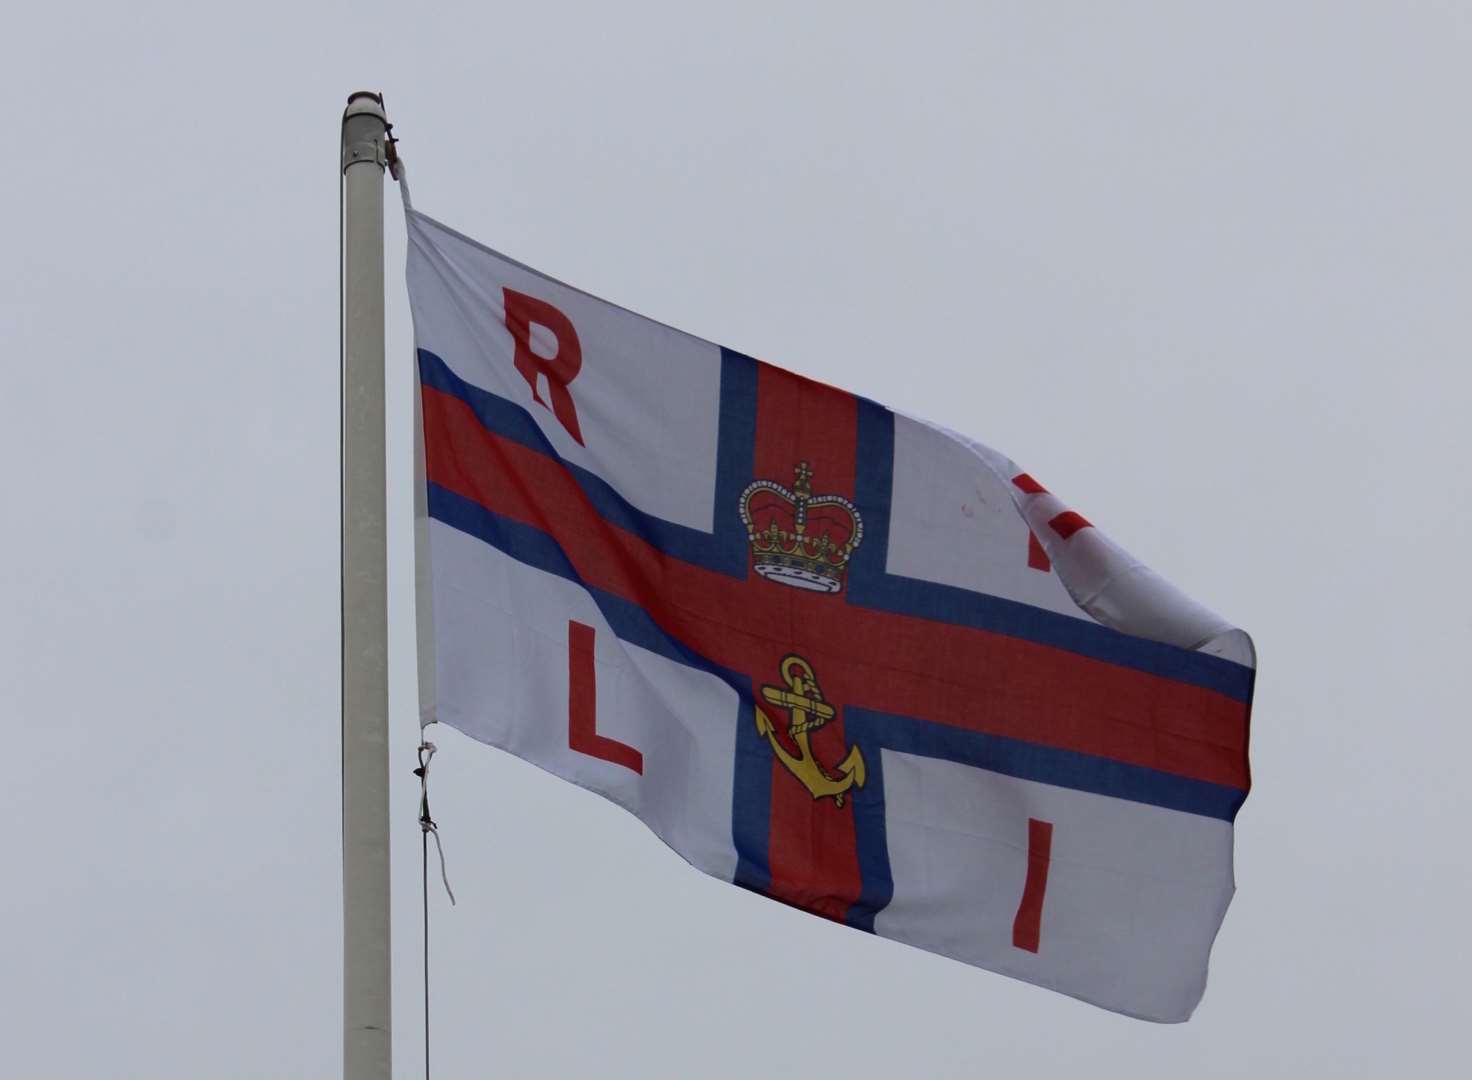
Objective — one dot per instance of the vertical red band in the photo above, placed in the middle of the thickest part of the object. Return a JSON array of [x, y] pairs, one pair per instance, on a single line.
[[812, 850], [1027, 485], [521, 312], [1027, 928], [1037, 558], [582, 705]]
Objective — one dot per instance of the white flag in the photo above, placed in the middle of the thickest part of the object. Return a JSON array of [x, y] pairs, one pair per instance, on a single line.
[[827, 652]]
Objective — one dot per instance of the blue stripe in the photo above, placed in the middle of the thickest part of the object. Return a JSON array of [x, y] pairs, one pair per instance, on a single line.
[[871, 842], [874, 732], [869, 582], [871, 585], [532, 546], [725, 551], [751, 801], [871, 731], [751, 808]]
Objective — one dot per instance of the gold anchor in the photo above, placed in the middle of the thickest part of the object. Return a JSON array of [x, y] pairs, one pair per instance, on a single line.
[[809, 712]]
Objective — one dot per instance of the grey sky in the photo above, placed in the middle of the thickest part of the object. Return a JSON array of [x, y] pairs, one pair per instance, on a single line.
[[1203, 268]]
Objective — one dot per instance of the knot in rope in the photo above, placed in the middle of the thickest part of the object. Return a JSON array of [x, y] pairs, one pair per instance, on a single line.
[[427, 824]]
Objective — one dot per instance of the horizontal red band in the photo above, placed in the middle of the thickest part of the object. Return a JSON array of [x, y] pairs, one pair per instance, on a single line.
[[969, 678]]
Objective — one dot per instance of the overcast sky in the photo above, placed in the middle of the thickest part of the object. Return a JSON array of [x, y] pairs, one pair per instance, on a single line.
[[1205, 268]]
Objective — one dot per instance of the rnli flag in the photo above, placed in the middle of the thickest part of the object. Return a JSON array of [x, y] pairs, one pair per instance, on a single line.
[[827, 652]]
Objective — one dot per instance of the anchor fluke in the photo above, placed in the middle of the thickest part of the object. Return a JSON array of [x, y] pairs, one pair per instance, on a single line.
[[804, 701]]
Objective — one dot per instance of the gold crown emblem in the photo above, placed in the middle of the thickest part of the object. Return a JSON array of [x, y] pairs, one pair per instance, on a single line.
[[798, 538]]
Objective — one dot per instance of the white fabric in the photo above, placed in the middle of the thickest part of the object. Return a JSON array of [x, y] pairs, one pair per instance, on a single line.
[[1103, 580], [1134, 891], [502, 669], [644, 388], [953, 520]]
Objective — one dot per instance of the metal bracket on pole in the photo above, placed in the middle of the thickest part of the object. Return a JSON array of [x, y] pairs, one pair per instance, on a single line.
[[367, 995], [365, 131]]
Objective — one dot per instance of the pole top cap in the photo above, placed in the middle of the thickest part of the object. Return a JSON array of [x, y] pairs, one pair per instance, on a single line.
[[364, 103], [366, 133]]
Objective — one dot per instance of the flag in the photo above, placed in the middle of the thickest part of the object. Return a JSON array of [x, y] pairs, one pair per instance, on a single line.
[[830, 653]]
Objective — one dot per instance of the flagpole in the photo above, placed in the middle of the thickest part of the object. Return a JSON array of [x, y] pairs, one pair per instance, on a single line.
[[367, 1001]]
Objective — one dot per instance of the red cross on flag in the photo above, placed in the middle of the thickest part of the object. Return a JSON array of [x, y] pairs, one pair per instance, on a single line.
[[832, 654]]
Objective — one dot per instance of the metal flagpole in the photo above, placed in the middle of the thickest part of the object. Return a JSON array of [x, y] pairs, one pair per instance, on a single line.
[[365, 814]]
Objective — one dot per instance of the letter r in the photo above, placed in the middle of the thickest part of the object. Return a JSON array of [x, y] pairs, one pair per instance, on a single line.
[[560, 369]]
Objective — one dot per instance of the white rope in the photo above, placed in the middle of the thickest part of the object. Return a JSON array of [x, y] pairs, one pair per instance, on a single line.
[[426, 823], [428, 828]]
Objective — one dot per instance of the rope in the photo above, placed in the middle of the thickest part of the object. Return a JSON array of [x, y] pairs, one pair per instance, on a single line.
[[424, 893], [428, 828], [427, 824]]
